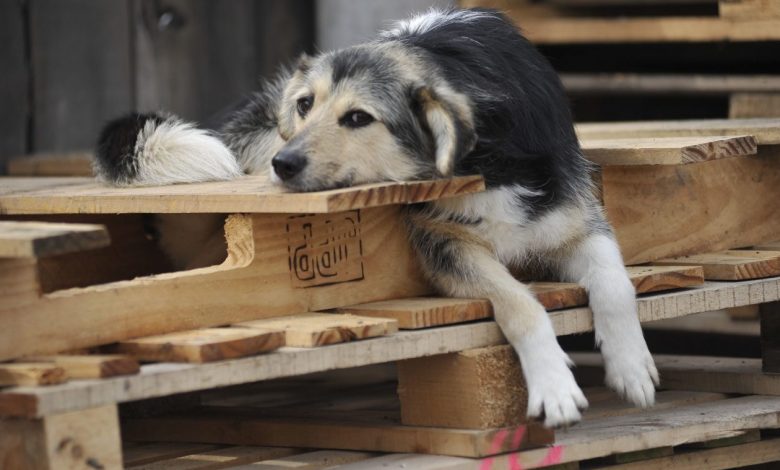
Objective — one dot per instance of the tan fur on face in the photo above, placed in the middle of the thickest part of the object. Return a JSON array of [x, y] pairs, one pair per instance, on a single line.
[[339, 154]]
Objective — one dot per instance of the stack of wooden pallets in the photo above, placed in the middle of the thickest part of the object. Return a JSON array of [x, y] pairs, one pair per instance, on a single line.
[[646, 59], [86, 297]]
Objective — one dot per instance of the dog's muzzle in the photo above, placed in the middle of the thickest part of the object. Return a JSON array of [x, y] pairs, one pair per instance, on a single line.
[[288, 163]]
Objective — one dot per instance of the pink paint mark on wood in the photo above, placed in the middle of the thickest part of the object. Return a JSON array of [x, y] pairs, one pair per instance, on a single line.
[[553, 456], [495, 447], [517, 439]]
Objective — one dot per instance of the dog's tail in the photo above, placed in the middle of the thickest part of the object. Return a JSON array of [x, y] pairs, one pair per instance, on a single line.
[[158, 149]]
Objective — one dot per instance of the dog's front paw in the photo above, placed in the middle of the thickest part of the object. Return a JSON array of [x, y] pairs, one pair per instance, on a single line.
[[631, 373], [554, 394]]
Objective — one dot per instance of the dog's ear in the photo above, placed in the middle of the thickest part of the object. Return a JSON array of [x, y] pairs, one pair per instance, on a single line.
[[286, 112], [448, 116]]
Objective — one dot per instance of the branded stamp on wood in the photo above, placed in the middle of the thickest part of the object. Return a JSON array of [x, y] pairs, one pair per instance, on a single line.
[[324, 248]]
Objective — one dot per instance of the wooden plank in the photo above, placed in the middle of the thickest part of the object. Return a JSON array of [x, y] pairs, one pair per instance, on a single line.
[[740, 10], [604, 402], [754, 105], [731, 265], [655, 216], [666, 150], [248, 194], [166, 379], [766, 131], [31, 374], [660, 278], [52, 164], [98, 366], [75, 93], [558, 295], [83, 439], [135, 454], [645, 430], [14, 82], [318, 329], [667, 84], [433, 389], [213, 459], [206, 345], [770, 337], [38, 239], [248, 426], [702, 373], [273, 262], [320, 459], [424, 312], [645, 29], [741, 455]]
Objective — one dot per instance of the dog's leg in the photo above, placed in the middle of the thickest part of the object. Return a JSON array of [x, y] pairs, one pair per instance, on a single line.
[[462, 265], [596, 264]]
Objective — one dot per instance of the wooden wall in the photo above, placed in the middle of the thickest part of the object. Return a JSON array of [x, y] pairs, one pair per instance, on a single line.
[[69, 65]]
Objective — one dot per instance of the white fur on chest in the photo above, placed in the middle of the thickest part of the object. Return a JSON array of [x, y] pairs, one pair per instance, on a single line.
[[505, 222]]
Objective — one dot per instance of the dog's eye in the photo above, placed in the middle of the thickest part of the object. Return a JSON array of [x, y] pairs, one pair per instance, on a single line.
[[355, 119], [304, 105]]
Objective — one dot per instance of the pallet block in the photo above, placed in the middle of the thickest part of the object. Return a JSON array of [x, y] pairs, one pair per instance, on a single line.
[[83, 439], [475, 389]]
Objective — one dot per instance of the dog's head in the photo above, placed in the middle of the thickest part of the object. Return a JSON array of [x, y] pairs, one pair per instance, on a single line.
[[367, 114]]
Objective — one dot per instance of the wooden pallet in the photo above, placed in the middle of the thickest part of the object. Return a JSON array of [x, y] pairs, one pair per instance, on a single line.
[[692, 427], [606, 21]]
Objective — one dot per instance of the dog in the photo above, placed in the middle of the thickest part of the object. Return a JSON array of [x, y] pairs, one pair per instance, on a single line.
[[453, 92]]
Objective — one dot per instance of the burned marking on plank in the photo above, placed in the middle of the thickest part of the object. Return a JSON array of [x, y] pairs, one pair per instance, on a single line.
[[324, 249]]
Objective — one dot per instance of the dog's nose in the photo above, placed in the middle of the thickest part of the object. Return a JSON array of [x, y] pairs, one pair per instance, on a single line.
[[288, 163]]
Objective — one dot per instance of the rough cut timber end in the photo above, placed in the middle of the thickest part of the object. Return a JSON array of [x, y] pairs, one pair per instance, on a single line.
[[250, 194], [433, 389], [39, 239]]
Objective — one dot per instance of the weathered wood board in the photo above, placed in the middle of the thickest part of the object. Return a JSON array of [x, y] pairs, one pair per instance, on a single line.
[[166, 379], [766, 131], [731, 265], [31, 374], [318, 329], [205, 345], [666, 150], [92, 366], [248, 194], [674, 84], [38, 239], [247, 426]]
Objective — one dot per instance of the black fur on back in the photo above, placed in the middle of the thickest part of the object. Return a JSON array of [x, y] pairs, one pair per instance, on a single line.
[[115, 155], [522, 118]]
